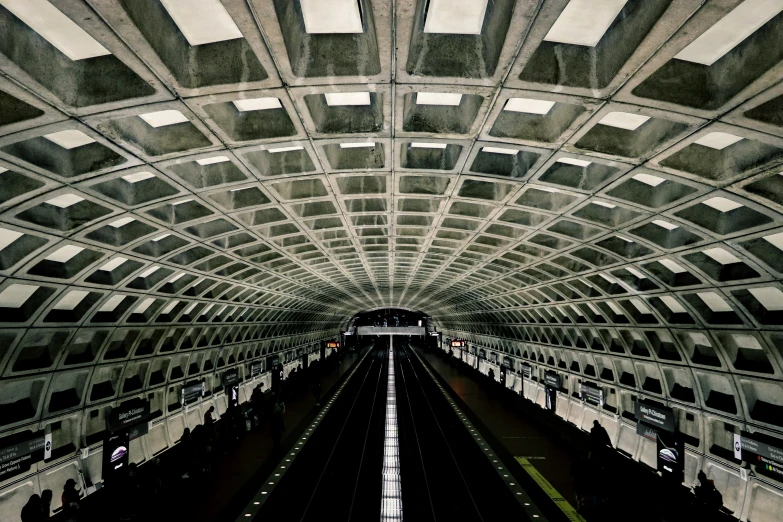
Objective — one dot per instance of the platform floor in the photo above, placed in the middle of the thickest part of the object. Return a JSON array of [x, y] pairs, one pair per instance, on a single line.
[[518, 435]]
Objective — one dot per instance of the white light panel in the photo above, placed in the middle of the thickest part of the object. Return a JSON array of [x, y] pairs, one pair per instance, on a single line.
[[649, 179], [640, 306], [529, 106], [575, 162], [163, 118], [138, 176], [665, 224], [7, 237], [347, 98], [722, 204], [775, 240], [603, 204], [257, 104], [741, 22], [177, 277], [169, 307], [672, 266], [56, 28], [422, 145], [71, 300], [213, 160], [69, 139], [721, 256], [635, 272], [616, 309], [121, 222], [357, 145], [584, 22], [202, 21], [64, 254], [450, 17], [747, 342], [718, 140], [770, 297], [700, 339], [285, 149], [114, 263], [151, 270], [112, 303], [673, 305], [15, 295], [144, 305], [714, 302], [438, 98], [624, 120], [164, 236], [331, 16], [499, 150]]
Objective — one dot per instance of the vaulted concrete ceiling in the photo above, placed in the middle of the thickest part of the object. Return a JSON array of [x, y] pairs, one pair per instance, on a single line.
[[594, 181]]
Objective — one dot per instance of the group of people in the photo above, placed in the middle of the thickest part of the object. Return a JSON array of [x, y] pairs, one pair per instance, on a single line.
[[39, 507], [188, 465]]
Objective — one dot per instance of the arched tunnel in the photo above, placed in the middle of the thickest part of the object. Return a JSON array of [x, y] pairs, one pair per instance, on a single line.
[[576, 206]]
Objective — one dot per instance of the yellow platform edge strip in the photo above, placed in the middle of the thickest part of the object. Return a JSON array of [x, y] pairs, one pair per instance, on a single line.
[[556, 497]]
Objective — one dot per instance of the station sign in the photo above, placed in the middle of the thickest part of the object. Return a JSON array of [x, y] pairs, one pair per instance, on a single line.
[[256, 369], [457, 343], [18, 457], [592, 393], [527, 370], [552, 379], [128, 414], [333, 344], [192, 392], [658, 417], [230, 377], [767, 456]]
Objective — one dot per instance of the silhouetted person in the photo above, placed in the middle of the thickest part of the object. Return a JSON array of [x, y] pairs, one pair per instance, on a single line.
[[491, 374], [317, 393], [599, 440], [209, 418], [277, 424], [258, 402], [71, 501], [46, 503], [31, 512], [708, 497]]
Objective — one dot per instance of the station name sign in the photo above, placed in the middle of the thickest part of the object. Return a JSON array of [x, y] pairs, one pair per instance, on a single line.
[[127, 415], [256, 369], [17, 458], [658, 417], [592, 393], [527, 370], [552, 379], [457, 343], [332, 344], [766, 455], [192, 392], [230, 377]]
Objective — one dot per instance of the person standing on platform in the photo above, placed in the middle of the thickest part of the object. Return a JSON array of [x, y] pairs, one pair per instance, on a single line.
[[317, 393], [599, 441], [31, 512], [71, 501], [46, 504], [277, 424]]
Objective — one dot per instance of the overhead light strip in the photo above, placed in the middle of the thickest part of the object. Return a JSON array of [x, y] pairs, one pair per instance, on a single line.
[[391, 494], [56, 28]]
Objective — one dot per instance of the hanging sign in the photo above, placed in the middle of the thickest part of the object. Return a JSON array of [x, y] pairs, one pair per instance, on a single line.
[[128, 414], [659, 417], [18, 457]]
